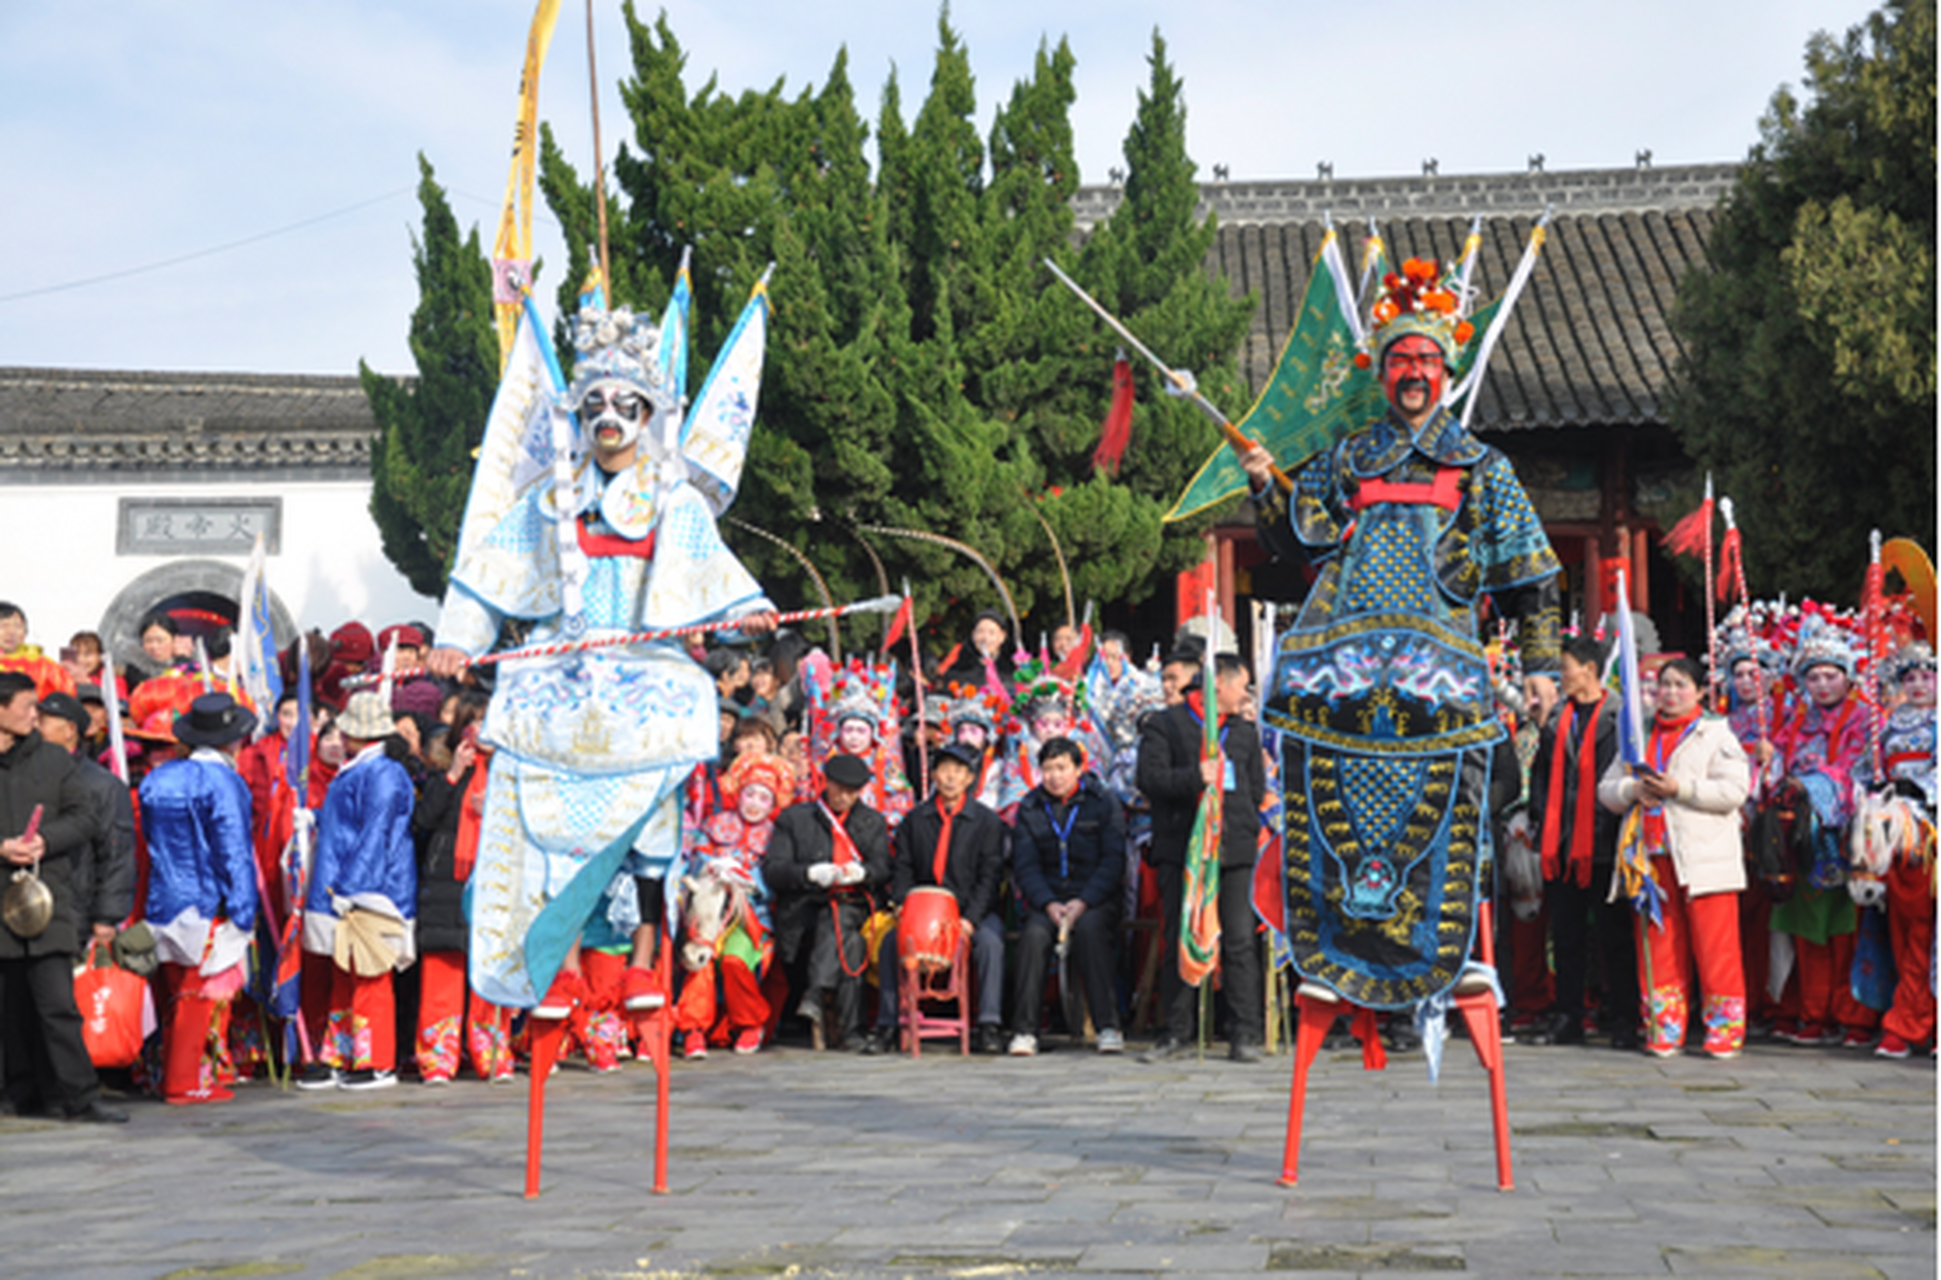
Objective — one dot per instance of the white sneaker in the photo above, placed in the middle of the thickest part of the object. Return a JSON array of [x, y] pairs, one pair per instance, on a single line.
[[319, 1076], [1023, 1047], [1112, 1040]]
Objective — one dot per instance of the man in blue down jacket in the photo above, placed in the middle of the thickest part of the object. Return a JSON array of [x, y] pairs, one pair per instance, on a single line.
[[1068, 854]]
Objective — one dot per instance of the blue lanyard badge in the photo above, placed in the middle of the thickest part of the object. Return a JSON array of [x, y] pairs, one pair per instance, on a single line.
[[1064, 835]]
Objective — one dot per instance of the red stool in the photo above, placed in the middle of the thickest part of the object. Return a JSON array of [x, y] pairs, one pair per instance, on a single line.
[[938, 986], [1479, 1013]]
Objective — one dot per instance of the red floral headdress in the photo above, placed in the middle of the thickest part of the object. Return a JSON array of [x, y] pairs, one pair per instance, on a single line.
[[1420, 300]]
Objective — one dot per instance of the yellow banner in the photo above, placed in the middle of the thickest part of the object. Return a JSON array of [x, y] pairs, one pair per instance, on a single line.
[[512, 251]]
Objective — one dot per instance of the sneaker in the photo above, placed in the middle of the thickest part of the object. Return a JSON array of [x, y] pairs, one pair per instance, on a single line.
[[642, 990], [1166, 1050], [875, 1041], [1245, 1051], [369, 1078], [1111, 1040], [1806, 1033], [319, 1075], [1857, 1038], [568, 989], [96, 1113], [695, 1045], [1892, 1046], [508, 1076], [1023, 1046], [1723, 1055], [749, 1041], [435, 1079], [989, 1038], [1662, 1050]]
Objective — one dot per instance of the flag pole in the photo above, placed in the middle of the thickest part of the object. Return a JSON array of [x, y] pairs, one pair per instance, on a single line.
[[1181, 381], [599, 158]]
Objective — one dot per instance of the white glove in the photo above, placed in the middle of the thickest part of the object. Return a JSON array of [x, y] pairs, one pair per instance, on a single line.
[[1186, 385], [851, 874], [824, 873]]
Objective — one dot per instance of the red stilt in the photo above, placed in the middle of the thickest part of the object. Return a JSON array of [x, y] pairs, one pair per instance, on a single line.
[[660, 1041], [546, 1037], [1316, 1017], [1486, 1032]]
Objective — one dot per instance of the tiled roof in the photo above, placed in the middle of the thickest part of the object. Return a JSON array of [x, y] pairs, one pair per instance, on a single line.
[[1589, 343], [71, 424]]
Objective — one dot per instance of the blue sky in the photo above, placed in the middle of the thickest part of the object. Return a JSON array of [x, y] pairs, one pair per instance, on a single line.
[[141, 131]]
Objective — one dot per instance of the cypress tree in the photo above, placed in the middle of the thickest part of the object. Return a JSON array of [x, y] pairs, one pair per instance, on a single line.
[[421, 459]]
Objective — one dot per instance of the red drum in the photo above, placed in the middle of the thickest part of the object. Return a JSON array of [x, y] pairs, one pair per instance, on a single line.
[[927, 930]]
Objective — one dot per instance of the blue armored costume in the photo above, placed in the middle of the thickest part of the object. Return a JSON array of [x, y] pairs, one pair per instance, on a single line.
[[1382, 692]]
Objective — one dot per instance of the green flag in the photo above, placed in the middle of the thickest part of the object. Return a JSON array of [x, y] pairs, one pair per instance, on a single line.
[[1316, 395]]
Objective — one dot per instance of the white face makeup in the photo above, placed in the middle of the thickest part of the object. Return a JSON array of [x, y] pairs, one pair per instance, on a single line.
[[612, 414], [856, 737], [755, 803], [1826, 684]]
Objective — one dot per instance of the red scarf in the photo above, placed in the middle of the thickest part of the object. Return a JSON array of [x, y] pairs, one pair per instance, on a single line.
[[846, 854], [1666, 735], [471, 813], [1583, 819], [942, 859]]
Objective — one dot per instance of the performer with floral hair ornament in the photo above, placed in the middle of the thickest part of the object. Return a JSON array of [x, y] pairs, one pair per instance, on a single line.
[[1382, 690], [1820, 746], [729, 946], [592, 515], [856, 714], [1045, 705], [1907, 749]]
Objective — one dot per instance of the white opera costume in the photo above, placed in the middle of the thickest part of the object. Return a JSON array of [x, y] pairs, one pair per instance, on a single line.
[[592, 746]]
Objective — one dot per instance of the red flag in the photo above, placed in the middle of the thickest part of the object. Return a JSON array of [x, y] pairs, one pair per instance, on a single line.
[[1731, 562], [1116, 432], [1691, 535], [897, 624]]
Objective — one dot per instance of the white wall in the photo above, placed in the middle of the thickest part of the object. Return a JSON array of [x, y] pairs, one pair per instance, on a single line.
[[58, 561]]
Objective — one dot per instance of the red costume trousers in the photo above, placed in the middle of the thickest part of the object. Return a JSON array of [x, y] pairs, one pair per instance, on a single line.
[[363, 1022], [739, 1003], [1699, 933], [1825, 973], [449, 1024], [1533, 988], [193, 1043], [1910, 923]]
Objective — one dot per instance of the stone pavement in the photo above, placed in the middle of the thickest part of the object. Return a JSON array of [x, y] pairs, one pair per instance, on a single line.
[[1785, 1163]]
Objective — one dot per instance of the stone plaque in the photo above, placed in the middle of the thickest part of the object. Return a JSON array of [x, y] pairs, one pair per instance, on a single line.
[[198, 526]]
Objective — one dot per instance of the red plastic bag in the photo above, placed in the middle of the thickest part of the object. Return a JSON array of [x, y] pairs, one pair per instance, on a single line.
[[117, 1012]]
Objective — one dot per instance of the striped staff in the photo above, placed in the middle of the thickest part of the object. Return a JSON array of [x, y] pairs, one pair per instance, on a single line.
[[877, 604]]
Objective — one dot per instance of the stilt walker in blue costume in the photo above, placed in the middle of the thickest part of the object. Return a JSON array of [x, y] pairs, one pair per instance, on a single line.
[[1381, 689]]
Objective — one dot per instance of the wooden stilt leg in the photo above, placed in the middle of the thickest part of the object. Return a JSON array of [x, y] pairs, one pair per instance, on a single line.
[[546, 1037], [1316, 1016], [660, 1042], [1480, 1014]]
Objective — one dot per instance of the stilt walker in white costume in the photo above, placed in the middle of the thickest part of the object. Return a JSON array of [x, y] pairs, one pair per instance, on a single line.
[[592, 515]]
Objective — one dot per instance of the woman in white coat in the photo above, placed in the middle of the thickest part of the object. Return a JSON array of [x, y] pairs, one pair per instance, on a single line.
[[1687, 794]]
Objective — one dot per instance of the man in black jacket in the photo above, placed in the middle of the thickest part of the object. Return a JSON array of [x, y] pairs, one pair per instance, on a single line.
[[1578, 840], [105, 879], [1172, 776], [971, 865], [826, 860], [36, 774], [1069, 854]]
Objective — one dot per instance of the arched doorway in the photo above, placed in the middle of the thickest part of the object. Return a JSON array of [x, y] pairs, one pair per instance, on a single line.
[[200, 594]]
